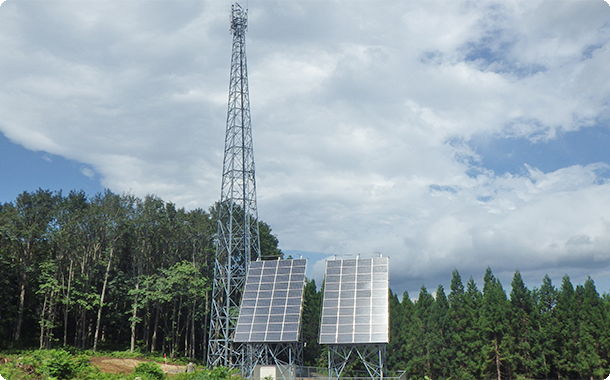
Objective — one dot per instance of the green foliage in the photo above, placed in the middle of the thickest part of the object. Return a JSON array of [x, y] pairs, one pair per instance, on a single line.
[[268, 242], [109, 271], [55, 259], [311, 323], [54, 364], [62, 365], [149, 371], [543, 333], [217, 373], [126, 354]]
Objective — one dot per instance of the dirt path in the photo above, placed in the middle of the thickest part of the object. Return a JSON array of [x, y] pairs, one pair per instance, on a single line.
[[126, 366]]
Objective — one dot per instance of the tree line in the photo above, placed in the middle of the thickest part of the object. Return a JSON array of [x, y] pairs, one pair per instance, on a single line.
[[544, 333], [109, 271], [119, 272]]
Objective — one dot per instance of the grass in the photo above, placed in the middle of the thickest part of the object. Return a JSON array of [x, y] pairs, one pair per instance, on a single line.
[[75, 364]]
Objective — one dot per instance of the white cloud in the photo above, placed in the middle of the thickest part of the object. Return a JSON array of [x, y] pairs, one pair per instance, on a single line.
[[360, 115], [87, 172]]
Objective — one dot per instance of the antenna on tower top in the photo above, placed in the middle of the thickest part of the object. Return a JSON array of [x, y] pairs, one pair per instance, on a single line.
[[239, 18]]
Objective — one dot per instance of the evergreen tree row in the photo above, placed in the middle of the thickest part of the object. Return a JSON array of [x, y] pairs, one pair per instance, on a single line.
[[544, 333], [111, 271]]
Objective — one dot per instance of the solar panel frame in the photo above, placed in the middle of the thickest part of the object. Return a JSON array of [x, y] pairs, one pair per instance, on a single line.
[[355, 304], [272, 302]]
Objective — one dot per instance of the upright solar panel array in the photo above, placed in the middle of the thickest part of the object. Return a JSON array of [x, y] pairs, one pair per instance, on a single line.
[[271, 305], [355, 305]]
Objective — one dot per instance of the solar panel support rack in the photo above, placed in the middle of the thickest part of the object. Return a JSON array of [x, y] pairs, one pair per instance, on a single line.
[[355, 314], [285, 357], [372, 357], [269, 322]]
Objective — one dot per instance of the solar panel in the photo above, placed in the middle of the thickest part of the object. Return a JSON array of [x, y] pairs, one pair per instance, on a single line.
[[272, 301], [355, 306]]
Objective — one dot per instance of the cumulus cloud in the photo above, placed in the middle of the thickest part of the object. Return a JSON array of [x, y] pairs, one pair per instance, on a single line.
[[363, 115]]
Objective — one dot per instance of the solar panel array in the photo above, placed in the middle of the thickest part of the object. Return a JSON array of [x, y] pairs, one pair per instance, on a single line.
[[355, 305], [271, 304]]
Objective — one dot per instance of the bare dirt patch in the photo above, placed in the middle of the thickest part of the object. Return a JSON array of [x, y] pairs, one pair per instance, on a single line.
[[115, 365], [126, 366]]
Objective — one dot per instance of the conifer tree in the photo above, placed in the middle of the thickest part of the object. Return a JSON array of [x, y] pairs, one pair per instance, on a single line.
[[525, 354], [395, 355], [592, 332], [312, 304], [546, 299], [494, 326], [567, 334], [406, 330], [440, 352], [473, 336], [419, 363], [463, 336]]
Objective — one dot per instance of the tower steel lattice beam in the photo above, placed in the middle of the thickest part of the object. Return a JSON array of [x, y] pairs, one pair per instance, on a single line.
[[237, 240]]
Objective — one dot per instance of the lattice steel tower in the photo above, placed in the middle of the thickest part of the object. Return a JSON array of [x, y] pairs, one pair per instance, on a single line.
[[237, 240]]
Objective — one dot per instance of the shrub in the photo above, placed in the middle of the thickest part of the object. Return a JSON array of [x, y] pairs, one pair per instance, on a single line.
[[149, 370], [218, 373], [57, 364]]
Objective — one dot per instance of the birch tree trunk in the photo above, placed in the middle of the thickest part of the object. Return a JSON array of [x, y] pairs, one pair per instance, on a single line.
[[17, 335], [99, 311], [134, 315], [42, 322], [153, 344], [192, 347], [67, 305]]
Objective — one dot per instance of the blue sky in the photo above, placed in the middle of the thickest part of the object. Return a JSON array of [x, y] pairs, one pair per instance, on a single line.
[[443, 134], [25, 170], [510, 155]]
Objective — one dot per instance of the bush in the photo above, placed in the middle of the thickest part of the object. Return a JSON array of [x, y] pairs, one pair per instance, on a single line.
[[218, 373], [149, 370], [61, 364], [56, 364]]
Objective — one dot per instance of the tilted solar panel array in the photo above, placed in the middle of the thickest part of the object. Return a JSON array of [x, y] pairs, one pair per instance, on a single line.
[[272, 301], [355, 304]]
